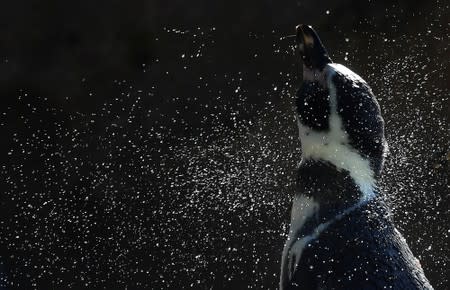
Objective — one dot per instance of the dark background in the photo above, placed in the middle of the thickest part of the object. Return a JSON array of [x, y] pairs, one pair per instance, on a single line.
[[152, 144]]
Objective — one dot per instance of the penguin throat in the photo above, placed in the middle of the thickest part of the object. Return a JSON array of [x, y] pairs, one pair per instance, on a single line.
[[333, 146]]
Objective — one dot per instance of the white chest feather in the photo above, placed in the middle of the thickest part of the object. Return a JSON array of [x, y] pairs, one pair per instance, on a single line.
[[303, 208]]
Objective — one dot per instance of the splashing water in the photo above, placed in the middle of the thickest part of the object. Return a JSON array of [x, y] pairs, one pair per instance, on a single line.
[[163, 188]]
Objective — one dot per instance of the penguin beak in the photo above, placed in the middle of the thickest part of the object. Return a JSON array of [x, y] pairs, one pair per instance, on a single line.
[[304, 43], [310, 48], [299, 39], [304, 38]]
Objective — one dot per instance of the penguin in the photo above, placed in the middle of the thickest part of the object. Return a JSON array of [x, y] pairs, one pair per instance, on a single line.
[[341, 234]]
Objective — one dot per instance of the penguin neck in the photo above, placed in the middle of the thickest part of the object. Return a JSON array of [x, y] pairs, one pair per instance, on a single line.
[[325, 193], [331, 185]]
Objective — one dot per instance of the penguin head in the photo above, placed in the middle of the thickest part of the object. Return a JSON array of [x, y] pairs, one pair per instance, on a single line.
[[339, 118], [310, 48]]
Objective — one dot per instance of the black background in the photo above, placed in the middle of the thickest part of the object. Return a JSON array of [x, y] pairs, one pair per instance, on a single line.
[[152, 144]]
